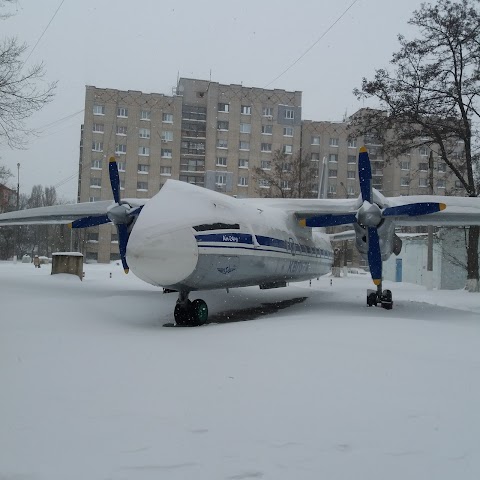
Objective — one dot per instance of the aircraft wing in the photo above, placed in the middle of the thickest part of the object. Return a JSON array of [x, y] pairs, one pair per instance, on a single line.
[[61, 214], [459, 211]]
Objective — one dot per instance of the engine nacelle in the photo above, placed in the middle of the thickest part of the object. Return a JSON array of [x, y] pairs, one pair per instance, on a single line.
[[389, 242]]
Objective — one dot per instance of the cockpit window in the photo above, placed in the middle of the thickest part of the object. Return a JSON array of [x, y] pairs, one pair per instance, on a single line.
[[217, 226]]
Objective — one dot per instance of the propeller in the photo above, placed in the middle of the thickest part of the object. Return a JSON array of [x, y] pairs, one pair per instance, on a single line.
[[121, 214], [370, 216]]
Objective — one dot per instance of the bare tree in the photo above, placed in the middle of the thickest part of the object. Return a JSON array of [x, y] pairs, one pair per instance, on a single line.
[[287, 176], [22, 90], [431, 97]]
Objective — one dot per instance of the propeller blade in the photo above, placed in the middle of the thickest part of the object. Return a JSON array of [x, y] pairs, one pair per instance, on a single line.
[[114, 178], [90, 221], [122, 244], [365, 175], [414, 209], [328, 220], [374, 255]]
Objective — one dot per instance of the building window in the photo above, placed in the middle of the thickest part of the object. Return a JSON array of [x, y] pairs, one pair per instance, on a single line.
[[442, 167], [263, 183], [351, 159], [267, 111], [95, 182], [243, 163], [288, 131], [351, 174], [333, 142], [286, 167], [423, 167], [142, 168], [441, 183], [142, 186], [243, 181], [122, 112], [97, 146], [166, 171], [144, 151], [458, 184], [98, 127], [244, 145], [92, 237], [332, 173], [288, 149], [246, 110], [315, 140], [144, 114], [166, 153], [315, 157], [352, 143], [222, 143], [224, 107], [99, 109], [167, 136], [267, 129], [220, 179], [289, 114], [332, 189], [265, 164], [422, 182], [121, 166], [405, 165], [122, 184], [114, 237], [266, 147], [144, 132], [96, 164], [167, 118], [404, 182], [350, 190], [121, 130], [221, 161], [333, 157], [222, 125], [423, 151], [245, 128], [285, 185], [94, 199]]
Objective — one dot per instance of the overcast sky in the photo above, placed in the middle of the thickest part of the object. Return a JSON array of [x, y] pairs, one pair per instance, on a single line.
[[144, 46]]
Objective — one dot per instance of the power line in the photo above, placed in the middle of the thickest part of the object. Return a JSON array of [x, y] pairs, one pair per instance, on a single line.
[[43, 33], [311, 46]]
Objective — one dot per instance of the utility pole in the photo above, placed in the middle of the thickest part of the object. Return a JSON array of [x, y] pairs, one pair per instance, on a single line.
[[430, 230]]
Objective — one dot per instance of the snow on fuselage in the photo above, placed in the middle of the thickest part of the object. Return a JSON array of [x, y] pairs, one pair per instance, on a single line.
[[190, 238]]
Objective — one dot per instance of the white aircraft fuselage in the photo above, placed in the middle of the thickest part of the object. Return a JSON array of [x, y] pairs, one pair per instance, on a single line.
[[189, 238]]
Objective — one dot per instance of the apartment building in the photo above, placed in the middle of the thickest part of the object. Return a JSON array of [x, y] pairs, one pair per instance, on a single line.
[[205, 133]]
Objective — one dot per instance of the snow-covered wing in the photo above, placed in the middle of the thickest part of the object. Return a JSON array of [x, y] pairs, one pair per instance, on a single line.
[[61, 214], [459, 211], [305, 207]]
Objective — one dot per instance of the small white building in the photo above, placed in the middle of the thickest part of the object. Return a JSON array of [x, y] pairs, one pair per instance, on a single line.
[[449, 259]]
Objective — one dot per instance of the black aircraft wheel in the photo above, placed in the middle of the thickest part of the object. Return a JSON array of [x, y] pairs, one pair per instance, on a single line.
[[182, 314], [199, 311], [387, 301], [372, 300]]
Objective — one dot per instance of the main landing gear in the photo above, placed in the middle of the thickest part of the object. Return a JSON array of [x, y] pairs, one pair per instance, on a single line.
[[188, 313], [384, 298]]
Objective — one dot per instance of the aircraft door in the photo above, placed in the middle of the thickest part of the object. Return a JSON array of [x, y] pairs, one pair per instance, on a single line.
[[291, 246]]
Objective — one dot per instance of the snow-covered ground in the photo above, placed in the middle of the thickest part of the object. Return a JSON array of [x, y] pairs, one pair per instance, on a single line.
[[93, 387]]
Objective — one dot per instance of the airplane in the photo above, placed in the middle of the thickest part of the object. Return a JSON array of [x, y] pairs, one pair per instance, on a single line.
[[187, 238]]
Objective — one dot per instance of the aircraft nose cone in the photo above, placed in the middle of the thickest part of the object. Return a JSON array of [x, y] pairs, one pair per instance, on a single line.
[[162, 259]]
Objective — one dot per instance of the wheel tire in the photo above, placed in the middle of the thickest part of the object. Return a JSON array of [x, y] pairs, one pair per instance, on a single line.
[[199, 311], [371, 300], [181, 314]]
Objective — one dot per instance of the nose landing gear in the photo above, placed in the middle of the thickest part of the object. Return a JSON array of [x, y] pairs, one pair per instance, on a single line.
[[384, 298], [188, 313]]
